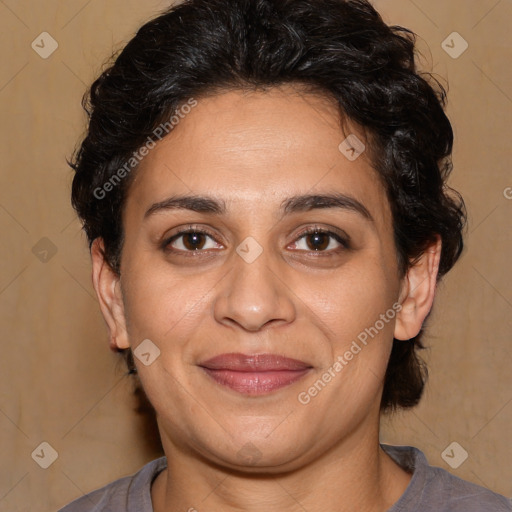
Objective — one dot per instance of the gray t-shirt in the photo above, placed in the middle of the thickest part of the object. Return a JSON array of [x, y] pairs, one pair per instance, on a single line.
[[431, 489]]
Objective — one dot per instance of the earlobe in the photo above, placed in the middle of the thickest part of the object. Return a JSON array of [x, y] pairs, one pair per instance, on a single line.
[[417, 293], [107, 286]]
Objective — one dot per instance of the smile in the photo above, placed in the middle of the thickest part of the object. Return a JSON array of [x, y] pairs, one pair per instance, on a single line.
[[255, 374]]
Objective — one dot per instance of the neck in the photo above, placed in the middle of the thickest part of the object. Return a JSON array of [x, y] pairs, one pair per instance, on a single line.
[[356, 475]]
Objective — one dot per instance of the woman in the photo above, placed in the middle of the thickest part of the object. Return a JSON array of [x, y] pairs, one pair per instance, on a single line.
[[263, 184]]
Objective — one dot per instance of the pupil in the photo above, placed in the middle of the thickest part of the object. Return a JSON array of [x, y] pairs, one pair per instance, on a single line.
[[318, 241], [193, 240]]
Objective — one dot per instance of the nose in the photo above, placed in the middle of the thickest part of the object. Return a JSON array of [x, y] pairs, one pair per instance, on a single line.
[[252, 296]]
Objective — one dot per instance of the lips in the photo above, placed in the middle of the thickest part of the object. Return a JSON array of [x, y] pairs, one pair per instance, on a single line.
[[254, 374]]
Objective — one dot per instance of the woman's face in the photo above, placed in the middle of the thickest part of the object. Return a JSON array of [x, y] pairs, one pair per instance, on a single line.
[[250, 280]]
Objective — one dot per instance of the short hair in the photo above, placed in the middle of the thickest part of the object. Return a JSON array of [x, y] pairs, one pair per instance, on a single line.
[[339, 48]]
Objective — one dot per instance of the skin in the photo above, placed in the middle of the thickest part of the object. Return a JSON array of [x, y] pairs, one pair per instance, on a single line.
[[252, 151]]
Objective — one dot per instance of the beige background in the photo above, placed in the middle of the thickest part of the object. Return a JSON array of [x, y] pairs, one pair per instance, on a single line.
[[60, 384]]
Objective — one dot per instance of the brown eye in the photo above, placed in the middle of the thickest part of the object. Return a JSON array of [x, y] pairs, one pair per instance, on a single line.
[[194, 241], [190, 240], [317, 241]]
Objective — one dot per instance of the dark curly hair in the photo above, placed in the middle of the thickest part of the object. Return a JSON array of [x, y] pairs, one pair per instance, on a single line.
[[339, 48]]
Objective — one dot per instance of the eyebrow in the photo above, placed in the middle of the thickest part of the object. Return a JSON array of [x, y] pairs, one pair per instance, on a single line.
[[300, 203], [309, 202], [200, 204]]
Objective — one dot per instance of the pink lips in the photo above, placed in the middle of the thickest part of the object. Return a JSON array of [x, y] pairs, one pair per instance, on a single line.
[[254, 374]]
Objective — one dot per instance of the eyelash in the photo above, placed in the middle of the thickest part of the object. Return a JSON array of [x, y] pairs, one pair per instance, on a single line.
[[344, 242]]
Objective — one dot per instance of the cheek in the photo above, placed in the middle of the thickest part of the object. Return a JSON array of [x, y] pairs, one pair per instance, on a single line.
[[358, 315], [168, 310], [159, 304], [355, 306], [352, 299]]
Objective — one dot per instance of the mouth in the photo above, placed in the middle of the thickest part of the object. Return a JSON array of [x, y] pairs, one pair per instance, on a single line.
[[255, 374]]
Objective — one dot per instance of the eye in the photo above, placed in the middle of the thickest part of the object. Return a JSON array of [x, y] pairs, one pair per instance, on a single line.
[[191, 240], [320, 240]]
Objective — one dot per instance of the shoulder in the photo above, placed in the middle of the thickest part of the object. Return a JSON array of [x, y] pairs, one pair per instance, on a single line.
[[127, 494], [435, 489]]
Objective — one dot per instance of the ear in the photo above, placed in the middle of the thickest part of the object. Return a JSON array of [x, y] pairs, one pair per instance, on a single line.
[[417, 293], [108, 289]]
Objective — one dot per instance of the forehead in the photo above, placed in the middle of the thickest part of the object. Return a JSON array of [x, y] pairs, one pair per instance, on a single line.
[[253, 150]]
